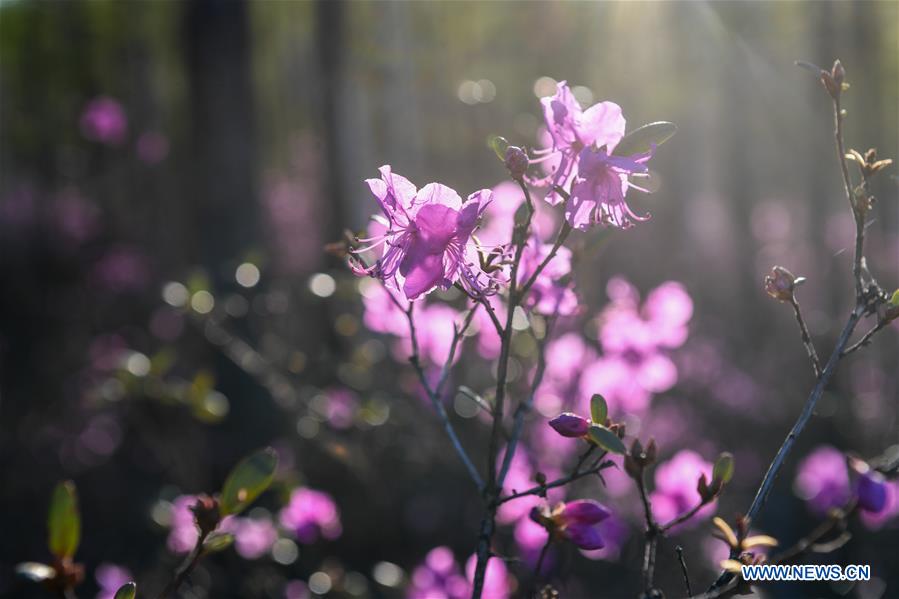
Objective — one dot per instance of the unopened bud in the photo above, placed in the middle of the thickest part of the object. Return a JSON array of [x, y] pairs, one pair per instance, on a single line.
[[517, 162], [206, 513], [780, 283], [838, 73]]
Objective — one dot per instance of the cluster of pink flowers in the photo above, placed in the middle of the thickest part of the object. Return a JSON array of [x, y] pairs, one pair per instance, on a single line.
[[440, 576], [423, 240], [581, 159], [634, 364]]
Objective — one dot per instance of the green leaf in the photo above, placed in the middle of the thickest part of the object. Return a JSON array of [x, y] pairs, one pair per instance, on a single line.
[[724, 468], [894, 301], [641, 140], [218, 541], [247, 480], [606, 439], [64, 521], [35, 572], [599, 409], [126, 591], [499, 145]]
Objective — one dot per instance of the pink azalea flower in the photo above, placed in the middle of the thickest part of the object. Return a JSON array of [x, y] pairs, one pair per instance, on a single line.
[[581, 153], [573, 129], [597, 195], [311, 514], [428, 237], [675, 488]]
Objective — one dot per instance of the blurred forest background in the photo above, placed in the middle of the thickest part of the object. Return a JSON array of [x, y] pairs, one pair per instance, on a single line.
[[245, 133]]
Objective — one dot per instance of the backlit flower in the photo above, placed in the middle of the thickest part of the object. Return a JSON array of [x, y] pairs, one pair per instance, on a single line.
[[427, 243]]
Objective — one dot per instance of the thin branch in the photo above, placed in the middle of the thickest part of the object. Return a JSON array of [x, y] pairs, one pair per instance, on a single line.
[[803, 419], [564, 231], [434, 396], [834, 522], [184, 572], [847, 186], [862, 306], [491, 491], [652, 533], [866, 338], [525, 407], [806, 338], [683, 568], [559, 482], [682, 518]]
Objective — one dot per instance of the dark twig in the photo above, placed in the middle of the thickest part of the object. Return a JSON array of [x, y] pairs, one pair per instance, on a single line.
[[652, 534], [835, 522], [862, 307], [865, 339], [682, 518], [683, 568], [184, 572], [433, 394], [559, 482], [806, 338], [525, 406]]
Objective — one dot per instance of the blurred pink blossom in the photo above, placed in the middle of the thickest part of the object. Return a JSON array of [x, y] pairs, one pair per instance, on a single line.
[[822, 479], [675, 488], [103, 120], [311, 514], [634, 365], [253, 537]]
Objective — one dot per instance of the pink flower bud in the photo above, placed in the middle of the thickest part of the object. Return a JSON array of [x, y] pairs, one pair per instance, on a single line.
[[584, 511], [517, 162], [780, 283], [584, 536], [570, 425], [870, 487]]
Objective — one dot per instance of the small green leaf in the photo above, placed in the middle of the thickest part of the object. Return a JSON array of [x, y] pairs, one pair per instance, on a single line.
[[894, 301], [247, 480], [126, 591], [218, 541], [64, 521], [499, 145], [606, 439], [724, 468], [641, 140], [599, 409], [35, 572]]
